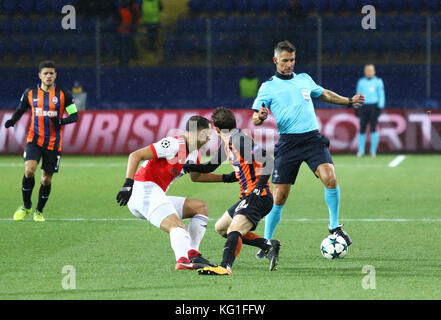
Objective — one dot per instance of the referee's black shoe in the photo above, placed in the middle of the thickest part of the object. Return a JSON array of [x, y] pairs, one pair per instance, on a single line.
[[273, 254], [339, 231]]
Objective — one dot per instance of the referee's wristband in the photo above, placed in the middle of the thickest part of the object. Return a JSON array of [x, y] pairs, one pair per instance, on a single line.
[[351, 103]]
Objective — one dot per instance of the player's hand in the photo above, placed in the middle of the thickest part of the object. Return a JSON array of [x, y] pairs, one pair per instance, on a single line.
[[125, 193], [56, 121], [262, 114], [358, 100], [9, 123]]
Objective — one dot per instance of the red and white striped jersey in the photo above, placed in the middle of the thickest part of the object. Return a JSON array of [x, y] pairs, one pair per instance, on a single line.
[[170, 155]]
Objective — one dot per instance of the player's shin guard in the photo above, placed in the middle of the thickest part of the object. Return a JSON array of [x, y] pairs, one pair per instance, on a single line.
[[271, 221], [196, 229], [374, 143], [233, 240], [332, 198], [255, 240], [27, 187], [43, 196], [361, 143], [180, 242]]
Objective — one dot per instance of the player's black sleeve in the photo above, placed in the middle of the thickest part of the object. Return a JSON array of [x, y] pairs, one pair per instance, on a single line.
[[21, 108], [60, 121], [209, 166]]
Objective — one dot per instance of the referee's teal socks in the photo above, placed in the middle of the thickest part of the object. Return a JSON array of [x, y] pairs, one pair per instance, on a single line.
[[374, 142], [332, 198], [271, 221], [361, 143]]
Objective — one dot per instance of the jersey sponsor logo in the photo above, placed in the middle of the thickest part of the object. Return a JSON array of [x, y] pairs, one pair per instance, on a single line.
[[174, 171], [40, 112], [54, 100], [371, 89], [306, 95]]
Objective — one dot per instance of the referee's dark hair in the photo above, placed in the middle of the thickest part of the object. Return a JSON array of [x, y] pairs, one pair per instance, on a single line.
[[284, 45], [201, 123], [223, 118], [46, 64]]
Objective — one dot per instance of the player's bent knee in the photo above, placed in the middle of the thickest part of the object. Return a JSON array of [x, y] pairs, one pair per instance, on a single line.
[[170, 222], [203, 208], [46, 180], [219, 227]]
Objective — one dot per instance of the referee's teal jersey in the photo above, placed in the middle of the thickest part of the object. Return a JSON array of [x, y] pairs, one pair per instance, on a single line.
[[373, 90], [289, 99]]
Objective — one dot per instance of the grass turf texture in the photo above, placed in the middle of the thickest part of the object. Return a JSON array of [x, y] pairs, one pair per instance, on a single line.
[[131, 259]]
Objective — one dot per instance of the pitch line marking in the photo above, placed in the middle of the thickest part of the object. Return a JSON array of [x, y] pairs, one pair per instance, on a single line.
[[287, 220], [398, 159]]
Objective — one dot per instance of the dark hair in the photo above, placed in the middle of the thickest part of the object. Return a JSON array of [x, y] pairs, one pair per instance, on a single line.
[[284, 45], [46, 64], [224, 118], [201, 123]]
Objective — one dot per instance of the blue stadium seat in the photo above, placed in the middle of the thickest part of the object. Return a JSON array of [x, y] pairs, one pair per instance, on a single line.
[[212, 6], [43, 6], [196, 6], [321, 5], [57, 5], [337, 5], [10, 7], [307, 5], [352, 5], [26, 7], [259, 5], [433, 5], [227, 6], [242, 6]]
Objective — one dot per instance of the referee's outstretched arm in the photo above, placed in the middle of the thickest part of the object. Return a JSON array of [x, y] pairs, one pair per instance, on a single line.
[[332, 97]]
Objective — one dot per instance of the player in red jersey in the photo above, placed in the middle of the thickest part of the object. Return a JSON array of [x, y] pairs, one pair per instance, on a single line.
[[47, 103], [252, 169], [144, 191]]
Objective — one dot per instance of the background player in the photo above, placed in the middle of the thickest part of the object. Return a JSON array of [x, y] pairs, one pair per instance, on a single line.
[[163, 162], [373, 89], [47, 103], [252, 168], [288, 96]]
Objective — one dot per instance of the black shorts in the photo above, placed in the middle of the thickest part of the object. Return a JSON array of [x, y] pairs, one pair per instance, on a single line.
[[292, 149], [51, 159], [369, 113], [254, 211]]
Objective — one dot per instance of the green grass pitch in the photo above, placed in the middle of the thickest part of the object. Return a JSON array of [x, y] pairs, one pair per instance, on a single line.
[[392, 214]]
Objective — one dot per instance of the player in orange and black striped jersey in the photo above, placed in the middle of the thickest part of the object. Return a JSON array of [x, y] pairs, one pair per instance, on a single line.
[[252, 169], [47, 103]]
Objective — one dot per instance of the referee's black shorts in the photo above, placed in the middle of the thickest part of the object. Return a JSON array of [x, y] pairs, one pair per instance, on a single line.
[[51, 158], [369, 114], [292, 149]]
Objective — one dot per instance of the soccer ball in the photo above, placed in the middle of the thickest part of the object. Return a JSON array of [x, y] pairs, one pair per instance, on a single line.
[[334, 247]]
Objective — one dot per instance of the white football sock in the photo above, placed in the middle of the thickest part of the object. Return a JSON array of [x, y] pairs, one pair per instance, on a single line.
[[180, 242], [196, 229]]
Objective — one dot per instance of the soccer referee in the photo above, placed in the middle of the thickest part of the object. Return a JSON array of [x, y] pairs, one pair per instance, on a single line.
[[373, 89], [288, 96], [47, 103]]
